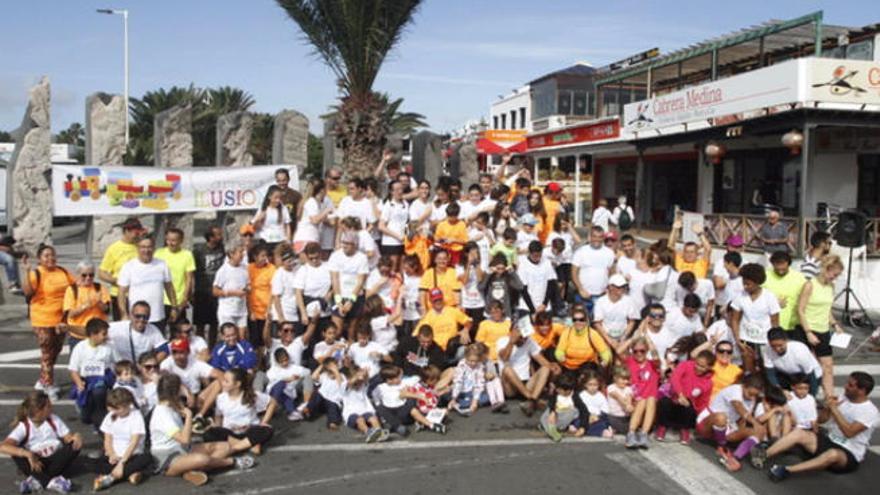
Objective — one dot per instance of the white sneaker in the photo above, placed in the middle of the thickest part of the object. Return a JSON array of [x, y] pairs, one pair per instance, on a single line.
[[244, 463], [295, 416], [39, 386]]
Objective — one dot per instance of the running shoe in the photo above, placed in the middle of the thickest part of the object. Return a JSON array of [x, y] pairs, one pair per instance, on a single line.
[[660, 434], [439, 428], [244, 463], [554, 434], [60, 484], [29, 485], [778, 473], [684, 436], [642, 439], [102, 482], [758, 456], [632, 441], [373, 435]]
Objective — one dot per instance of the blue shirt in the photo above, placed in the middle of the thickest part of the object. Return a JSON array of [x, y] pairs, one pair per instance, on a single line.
[[241, 355]]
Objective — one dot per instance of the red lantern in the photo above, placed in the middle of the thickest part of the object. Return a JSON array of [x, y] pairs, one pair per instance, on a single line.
[[715, 152], [793, 140]]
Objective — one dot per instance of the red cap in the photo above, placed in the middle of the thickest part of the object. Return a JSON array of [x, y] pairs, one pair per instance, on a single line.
[[611, 235], [554, 187], [435, 294], [180, 345]]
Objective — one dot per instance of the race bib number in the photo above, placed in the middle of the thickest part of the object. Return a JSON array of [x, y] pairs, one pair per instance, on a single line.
[[753, 331], [93, 368]]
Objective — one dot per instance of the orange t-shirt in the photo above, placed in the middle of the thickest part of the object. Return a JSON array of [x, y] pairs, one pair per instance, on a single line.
[[551, 338], [85, 295], [490, 332], [261, 290], [448, 282], [579, 349], [445, 324], [47, 303], [450, 232]]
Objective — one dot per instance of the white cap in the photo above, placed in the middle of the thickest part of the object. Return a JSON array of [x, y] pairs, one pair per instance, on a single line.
[[617, 280]]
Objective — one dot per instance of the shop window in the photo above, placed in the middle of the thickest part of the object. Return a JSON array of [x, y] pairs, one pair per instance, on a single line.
[[494, 122], [563, 103], [504, 121], [522, 117], [580, 103], [513, 119]]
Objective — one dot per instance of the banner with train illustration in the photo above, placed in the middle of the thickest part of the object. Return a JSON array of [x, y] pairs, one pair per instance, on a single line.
[[79, 190]]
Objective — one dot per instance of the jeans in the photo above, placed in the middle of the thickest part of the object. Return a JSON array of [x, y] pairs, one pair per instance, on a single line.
[[10, 266]]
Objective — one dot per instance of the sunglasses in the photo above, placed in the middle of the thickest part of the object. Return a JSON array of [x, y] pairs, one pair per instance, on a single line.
[[659, 316], [579, 320], [141, 316], [150, 366], [87, 275], [338, 177], [724, 351]]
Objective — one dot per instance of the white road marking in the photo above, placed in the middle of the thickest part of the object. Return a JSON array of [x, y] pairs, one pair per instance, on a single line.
[[875, 449], [11, 357], [440, 444], [14, 402], [20, 366], [682, 465]]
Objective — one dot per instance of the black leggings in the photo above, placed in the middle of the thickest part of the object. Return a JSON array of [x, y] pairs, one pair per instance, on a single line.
[[674, 415], [53, 466], [256, 435], [137, 463]]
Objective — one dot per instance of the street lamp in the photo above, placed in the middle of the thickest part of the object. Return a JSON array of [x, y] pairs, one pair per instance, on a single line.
[[124, 14]]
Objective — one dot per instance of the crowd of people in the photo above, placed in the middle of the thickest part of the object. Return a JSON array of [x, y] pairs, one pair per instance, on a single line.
[[386, 305]]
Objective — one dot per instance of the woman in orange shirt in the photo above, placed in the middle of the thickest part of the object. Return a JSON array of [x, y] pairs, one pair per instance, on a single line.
[[84, 300], [443, 277], [260, 273], [45, 287]]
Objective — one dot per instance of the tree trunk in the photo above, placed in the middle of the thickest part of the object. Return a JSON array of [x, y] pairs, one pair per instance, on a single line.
[[361, 128]]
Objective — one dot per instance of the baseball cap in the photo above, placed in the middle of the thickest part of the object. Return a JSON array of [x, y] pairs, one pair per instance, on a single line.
[[528, 219], [735, 240], [131, 223], [617, 280], [611, 235], [554, 187], [247, 229], [435, 294], [179, 345]]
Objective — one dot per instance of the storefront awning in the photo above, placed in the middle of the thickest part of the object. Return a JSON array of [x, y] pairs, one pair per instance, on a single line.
[[487, 147]]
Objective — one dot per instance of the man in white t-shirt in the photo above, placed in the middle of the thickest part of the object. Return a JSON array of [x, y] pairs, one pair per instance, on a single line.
[[516, 353], [601, 215], [539, 278], [783, 359], [754, 314], [348, 273], [146, 279], [842, 447], [628, 256], [194, 374], [131, 338], [615, 314], [685, 320], [357, 205], [590, 268], [284, 307], [702, 288]]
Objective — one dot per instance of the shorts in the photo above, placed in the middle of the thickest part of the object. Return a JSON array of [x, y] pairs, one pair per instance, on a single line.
[[239, 320], [204, 310], [704, 416], [356, 309], [386, 250], [164, 458], [824, 444], [352, 419], [823, 348], [255, 332]]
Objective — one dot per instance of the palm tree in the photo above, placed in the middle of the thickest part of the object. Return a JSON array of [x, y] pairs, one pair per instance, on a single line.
[[402, 122], [143, 113], [354, 37]]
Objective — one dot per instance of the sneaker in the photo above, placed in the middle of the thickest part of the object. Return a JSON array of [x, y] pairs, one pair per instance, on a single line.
[[200, 424], [384, 435], [731, 463], [136, 478], [439, 428], [244, 463], [402, 430], [642, 439], [527, 408], [660, 434], [16, 290], [500, 408], [102, 482], [53, 392], [778, 473], [632, 441], [60, 484], [554, 434], [684, 436], [30, 485], [758, 456], [295, 416], [39, 386], [722, 453], [373, 435], [608, 432], [196, 478]]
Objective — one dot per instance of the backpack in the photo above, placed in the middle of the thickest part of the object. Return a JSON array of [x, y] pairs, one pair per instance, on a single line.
[[27, 429], [36, 287], [624, 221]]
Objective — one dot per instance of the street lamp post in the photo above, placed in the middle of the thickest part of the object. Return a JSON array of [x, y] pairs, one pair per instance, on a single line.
[[124, 14]]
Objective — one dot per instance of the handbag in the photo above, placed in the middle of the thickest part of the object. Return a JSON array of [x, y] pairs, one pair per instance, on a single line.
[[656, 291]]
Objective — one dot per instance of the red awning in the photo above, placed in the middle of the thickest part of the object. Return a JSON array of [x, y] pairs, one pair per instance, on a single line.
[[519, 147], [487, 147]]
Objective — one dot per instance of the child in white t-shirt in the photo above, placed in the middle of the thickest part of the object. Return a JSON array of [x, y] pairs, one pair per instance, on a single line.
[[802, 410], [367, 354], [382, 324], [124, 433], [331, 347], [328, 398], [90, 367], [237, 412], [596, 402], [127, 379], [357, 409], [231, 286], [396, 405], [41, 445], [290, 385], [620, 400]]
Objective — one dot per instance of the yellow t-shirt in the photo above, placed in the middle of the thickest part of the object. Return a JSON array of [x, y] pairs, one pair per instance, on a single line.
[[85, 295], [445, 324], [47, 303], [116, 255], [699, 267], [447, 282], [489, 333], [449, 232], [724, 376], [179, 264], [261, 289], [579, 349], [551, 338], [337, 194]]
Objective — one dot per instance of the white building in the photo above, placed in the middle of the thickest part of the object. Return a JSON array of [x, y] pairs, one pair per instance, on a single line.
[[512, 111]]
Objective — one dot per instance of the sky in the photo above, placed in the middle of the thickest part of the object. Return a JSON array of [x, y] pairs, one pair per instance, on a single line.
[[455, 59]]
